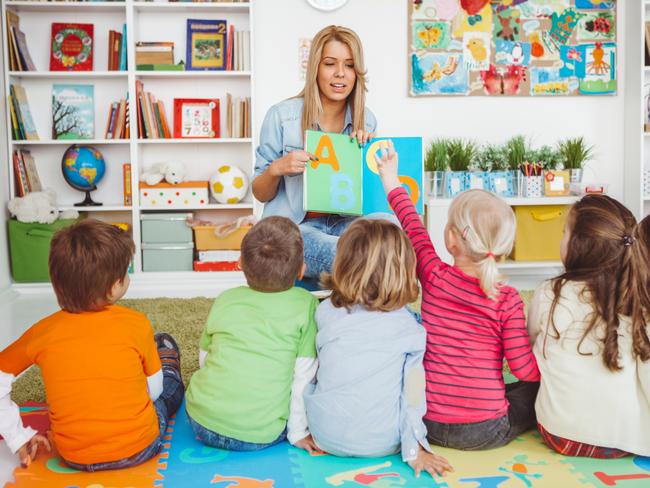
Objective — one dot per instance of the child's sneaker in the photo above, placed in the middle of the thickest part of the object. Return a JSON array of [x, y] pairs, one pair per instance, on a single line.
[[170, 354]]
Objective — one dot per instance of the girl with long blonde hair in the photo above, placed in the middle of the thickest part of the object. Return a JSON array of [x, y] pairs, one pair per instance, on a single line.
[[472, 319], [332, 100], [368, 399]]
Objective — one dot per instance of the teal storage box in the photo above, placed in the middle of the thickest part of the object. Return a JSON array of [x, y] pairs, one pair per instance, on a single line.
[[29, 246], [165, 228], [176, 256]]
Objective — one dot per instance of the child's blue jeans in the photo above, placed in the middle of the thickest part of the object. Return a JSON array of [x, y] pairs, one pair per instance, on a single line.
[[213, 439], [166, 405]]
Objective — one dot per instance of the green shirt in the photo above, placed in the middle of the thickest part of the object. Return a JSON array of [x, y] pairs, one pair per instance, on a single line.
[[253, 340]]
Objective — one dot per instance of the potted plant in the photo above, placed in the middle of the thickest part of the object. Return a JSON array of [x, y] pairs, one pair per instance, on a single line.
[[547, 157], [516, 150], [479, 176], [460, 153], [574, 153], [435, 165], [500, 178]]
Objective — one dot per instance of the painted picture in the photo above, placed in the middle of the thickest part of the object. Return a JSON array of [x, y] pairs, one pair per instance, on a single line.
[[73, 112], [512, 48]]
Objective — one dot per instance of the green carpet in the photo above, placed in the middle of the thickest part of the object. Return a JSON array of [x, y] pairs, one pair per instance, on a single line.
[[183, 318]]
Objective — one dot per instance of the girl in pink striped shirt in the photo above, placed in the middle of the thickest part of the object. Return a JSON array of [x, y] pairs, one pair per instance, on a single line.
[[472, 321]]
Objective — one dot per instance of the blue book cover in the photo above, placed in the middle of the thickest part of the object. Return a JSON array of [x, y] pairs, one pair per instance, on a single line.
[[73, 112], [409, 150], [123, 49], [206, 44]]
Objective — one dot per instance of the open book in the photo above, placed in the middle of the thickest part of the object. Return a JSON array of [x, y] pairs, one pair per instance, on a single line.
[[345, 179]]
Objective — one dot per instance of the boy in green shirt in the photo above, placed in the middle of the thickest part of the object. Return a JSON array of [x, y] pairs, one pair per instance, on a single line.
[[257, 350]]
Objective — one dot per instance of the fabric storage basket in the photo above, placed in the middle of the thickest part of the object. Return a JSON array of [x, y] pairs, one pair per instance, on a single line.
[[161, 228], [539, 232], [206, 240], [168, 257], [29, 246]]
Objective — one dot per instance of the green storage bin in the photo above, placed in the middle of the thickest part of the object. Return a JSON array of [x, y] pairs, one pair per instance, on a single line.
[[29, 246], [176, 256], [165, 228]]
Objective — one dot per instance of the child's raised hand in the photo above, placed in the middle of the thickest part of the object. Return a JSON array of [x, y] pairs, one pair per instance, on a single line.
[[430, 463], [307, 443], [387, 165], [27, 452]]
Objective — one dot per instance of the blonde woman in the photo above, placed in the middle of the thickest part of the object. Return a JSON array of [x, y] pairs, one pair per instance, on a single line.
[[333, 100], [369, 396], [472, 321]]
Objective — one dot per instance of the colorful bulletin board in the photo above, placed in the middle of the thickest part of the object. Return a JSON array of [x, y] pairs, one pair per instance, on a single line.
[[512, 47]]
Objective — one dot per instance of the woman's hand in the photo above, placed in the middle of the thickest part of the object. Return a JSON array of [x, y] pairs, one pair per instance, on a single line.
[[387, 165], [432, 464], [362, 136], [28, 451], [293, 163]]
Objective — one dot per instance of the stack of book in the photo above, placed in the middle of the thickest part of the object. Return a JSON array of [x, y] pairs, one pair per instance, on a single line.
[[117, 125], [155, 56], [27, 179], [22, 125], [152, 122], [117, 50], [217, 261], [238, 118], [239, 48], [19, 57]]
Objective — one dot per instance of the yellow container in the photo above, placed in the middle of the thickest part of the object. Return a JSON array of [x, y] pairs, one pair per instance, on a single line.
[[539, 232], [206, 240]]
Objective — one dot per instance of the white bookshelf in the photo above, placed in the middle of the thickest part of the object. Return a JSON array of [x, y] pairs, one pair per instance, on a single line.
[[145, 21]]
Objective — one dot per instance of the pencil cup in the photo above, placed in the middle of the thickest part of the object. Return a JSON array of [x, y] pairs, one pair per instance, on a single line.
[[533, 186]]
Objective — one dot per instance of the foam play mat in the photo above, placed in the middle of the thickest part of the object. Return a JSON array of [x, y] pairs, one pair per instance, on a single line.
[[526, 462]]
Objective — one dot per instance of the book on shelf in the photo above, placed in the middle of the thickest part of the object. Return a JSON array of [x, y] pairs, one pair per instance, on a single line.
[[237, 117], [196, 118], [206, 44], [25, 173], [345, 180], [647, 42], [126, 184], [24, 128], [117, 125], [73, 111], [155, 53], [161, 67], [115, 46], [241, 55], [71, 47], [123, 59], [152, 121], [19, 57]]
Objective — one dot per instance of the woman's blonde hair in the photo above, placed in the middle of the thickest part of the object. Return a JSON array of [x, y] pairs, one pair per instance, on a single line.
[[374, 267], [313, 108], [486, 225]]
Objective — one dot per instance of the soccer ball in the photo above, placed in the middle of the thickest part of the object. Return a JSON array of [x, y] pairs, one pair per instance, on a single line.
[[229, 184]]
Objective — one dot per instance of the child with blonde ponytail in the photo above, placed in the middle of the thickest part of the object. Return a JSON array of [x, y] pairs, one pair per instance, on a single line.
[[472, 321]]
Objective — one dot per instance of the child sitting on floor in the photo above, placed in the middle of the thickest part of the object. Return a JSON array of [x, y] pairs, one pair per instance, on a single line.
[[369, 396], [257, 350], [591, 338], [109, 397], [472, 321]]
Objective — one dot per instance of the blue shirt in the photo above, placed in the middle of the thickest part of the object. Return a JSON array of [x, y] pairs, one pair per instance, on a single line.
[[282, 133], [359, 405]]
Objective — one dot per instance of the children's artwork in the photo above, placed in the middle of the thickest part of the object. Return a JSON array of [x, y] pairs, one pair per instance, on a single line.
[[196, 117], [206, 44], [71, 47], [512, 47], [73, 112], [345, 179]]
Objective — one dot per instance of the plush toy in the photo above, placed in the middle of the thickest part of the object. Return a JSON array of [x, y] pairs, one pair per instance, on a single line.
[[229, 184], [38, 206], [173, 172]]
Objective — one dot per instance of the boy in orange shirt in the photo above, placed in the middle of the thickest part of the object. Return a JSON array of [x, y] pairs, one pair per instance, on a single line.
[[111, 385]]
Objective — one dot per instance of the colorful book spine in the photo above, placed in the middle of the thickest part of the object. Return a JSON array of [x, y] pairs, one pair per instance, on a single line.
[[126, 174], [123, 49]]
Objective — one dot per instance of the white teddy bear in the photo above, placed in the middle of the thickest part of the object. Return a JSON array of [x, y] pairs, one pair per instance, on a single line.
[[38, 206], [173, 172]]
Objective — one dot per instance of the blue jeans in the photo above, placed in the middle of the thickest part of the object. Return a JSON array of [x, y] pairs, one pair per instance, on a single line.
[[166, 405], [213, 439], [320, 236]]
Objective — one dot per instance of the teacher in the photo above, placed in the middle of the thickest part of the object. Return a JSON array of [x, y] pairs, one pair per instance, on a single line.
[[333, 100]]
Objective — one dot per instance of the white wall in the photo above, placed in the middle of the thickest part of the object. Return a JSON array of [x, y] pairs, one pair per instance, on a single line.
[[279, 24]]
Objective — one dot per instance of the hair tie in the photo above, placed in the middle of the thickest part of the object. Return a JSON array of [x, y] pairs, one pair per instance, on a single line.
[[489, 254], [465, 232], [628, 240]]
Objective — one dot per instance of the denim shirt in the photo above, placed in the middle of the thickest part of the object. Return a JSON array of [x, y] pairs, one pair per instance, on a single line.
[[359, 405], [282, 133]]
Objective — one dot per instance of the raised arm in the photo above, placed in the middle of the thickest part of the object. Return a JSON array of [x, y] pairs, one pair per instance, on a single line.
[[516, 343]]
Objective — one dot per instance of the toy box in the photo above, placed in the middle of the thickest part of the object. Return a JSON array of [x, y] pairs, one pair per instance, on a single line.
[[539, 232], [206, 240], [176, 256], [188, 194], [158, 228]]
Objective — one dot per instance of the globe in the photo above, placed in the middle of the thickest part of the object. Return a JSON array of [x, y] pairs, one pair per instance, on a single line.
[[83, 168]]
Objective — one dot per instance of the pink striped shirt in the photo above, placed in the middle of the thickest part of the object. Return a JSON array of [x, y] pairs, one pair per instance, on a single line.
[[468, 335]]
